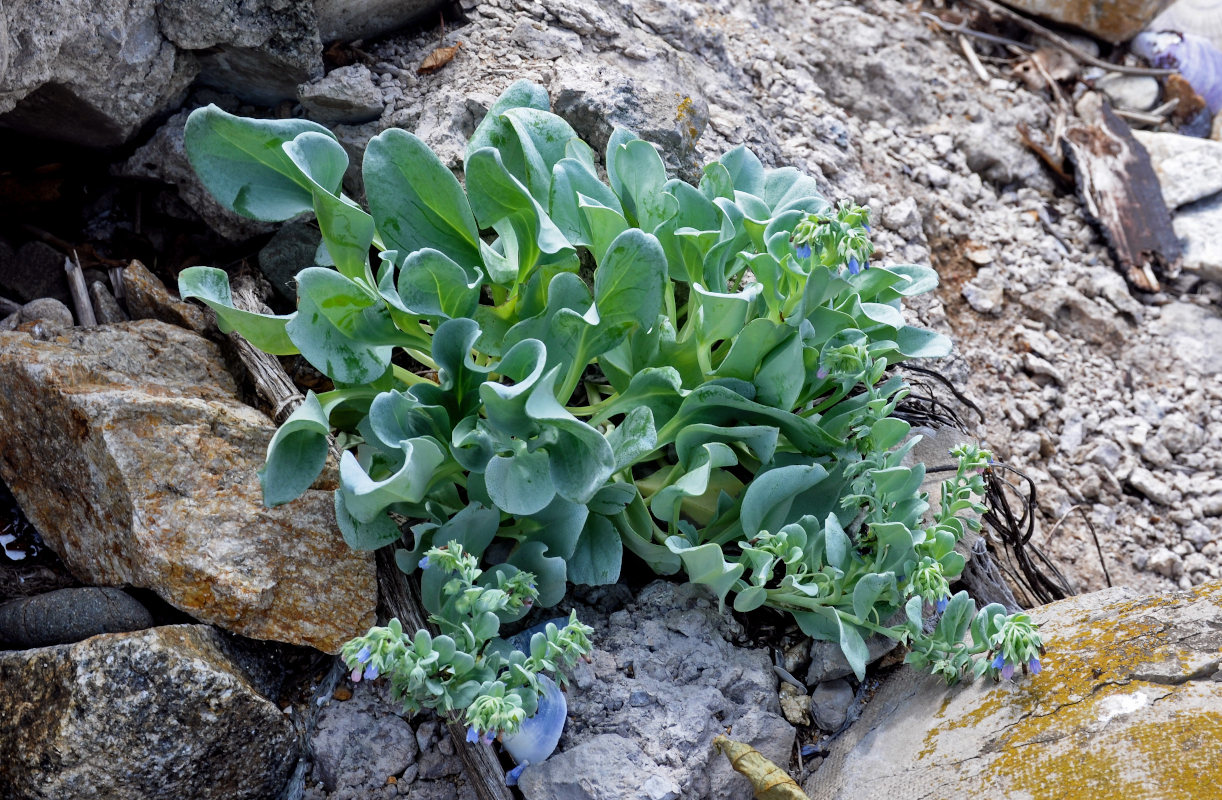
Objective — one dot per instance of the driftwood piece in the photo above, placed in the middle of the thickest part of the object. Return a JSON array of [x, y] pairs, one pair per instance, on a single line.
[[1122, 195], [399, 598], [768, 781], [80, 294], [271, 381]]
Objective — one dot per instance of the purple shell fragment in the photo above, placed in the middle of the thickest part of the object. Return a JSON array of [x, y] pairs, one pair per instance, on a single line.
[[1194, 57]]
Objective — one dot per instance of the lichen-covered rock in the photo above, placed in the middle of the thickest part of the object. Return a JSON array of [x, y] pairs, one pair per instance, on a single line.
[[257, 49], [125, 447], [1128, 704], [664, 680], [162, 713]]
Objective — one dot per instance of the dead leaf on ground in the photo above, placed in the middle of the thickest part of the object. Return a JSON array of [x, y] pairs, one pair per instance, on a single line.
[[437, 59], [769, 781]]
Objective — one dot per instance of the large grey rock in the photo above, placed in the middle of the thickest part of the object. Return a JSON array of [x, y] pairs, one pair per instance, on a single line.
[[1197, 228], [290, 251], [827, 661], [127, 450], [347, 95], [259, 50], [34, 271], [162, 713], [164, 158], [91, 73], [1129, 704], [665, 678], [69, 615]]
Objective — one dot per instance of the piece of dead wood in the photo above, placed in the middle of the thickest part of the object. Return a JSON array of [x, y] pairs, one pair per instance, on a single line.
[[80, 293], [768, 781], [997, 10], [973, 59], [1049, 151], [271, 381], [400, 598], [1121, 193]]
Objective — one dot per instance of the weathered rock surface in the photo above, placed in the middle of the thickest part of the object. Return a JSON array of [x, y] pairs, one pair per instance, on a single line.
[[69, 615], [34, 271], [147, 298], [364, 19], [1115, 21], [90, 73], [347, 96], [663, 682], [1129, 704], [125, 447], [162, 713], [46, 309], [359, 738], [258, 50], [1188, 168]]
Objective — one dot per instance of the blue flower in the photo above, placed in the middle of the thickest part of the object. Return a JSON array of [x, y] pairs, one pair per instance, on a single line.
[[942, 604], [999, 662], [472, 735], [822, 373], [854, 266], [1034, 666], [364, 656], [356, 675], [804, 250], [424, 563], [371, 672], [511, 777], [1007, 672]]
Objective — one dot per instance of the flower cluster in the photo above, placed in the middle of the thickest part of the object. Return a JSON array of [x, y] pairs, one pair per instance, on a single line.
[[1016, 643], [836, 237], [468, 668]]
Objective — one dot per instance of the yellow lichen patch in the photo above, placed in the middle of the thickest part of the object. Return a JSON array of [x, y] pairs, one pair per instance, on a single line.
[[685, 116]]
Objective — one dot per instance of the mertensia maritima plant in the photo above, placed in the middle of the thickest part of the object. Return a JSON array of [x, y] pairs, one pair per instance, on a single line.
[[562, 360]]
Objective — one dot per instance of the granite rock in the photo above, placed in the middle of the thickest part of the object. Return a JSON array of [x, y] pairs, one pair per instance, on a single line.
[[126, 449]]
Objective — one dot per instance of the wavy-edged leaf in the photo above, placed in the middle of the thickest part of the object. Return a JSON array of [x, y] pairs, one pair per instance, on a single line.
[[365, 497], [596, 559], [634, 438], [211, 286], [638, 177], [745, 170], [434, 285], [869, 589], [572, 180], [372, 534], [520, 483], [706, 564], [296, 454], [241, 162], [769, 498]]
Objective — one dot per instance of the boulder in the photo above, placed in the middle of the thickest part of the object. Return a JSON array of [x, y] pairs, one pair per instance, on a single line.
[[161, 713], [361, 738], [1114, 21], [1128, 704], [664, 680], [126, 449], [90, 73], [34, 271]]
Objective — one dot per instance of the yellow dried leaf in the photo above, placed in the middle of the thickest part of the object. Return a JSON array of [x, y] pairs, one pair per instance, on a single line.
[[769, 781]]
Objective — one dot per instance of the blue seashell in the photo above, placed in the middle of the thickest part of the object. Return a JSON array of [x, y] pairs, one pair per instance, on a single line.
[[1194, 57], [538, 736]]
